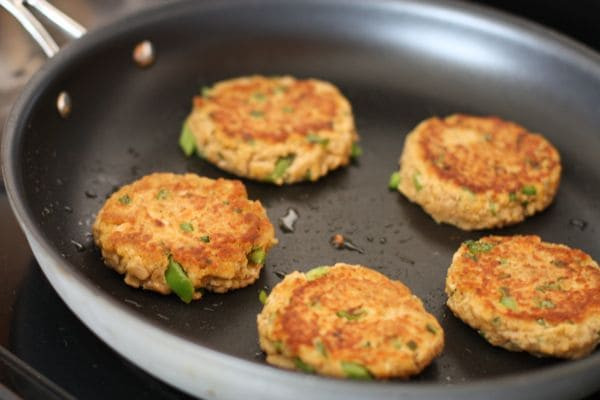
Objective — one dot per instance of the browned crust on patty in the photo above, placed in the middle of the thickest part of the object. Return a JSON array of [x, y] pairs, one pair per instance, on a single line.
[[246, 125], [168, 214], [497, 155], [478, 172], [260, 108], [524, 294], [389, 332]]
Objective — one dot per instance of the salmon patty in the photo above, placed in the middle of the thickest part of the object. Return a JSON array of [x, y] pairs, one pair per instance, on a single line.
[[272, 129], [477, 172], [184, 233], [348, 321], [524, 294]]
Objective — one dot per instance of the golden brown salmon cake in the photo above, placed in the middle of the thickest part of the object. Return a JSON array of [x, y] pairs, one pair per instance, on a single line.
[[275, 129], [477, 172], [348, 321], [527, 295], [169, 232]]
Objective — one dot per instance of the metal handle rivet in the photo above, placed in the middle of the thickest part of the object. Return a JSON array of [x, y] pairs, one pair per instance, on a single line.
[[143, 54], [63, 104]]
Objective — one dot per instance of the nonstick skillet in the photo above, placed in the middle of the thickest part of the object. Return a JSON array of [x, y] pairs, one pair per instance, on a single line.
[[398, 63]]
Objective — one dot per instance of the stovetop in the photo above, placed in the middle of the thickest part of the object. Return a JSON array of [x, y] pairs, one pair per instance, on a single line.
[[51, 353]]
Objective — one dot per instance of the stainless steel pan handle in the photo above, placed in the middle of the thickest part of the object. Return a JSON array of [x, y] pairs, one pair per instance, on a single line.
[[18, 8]]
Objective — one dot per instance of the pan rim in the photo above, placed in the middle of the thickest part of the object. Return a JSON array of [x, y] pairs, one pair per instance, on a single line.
[[551, 41]]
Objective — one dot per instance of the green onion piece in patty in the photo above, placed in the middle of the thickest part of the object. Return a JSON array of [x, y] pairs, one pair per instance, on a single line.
[[178, 281], [125, 199], [394, 181], [431, 329], [545, 304], [350, 315], [417, 181], [257, 256], [162, 194], [262, 296], [258, 96], [205, 238], [321, 348], [186, 227], [187, 141], [316, 273], [529, 190], [506, 300], [412, 345], [312, 138], [278, 346], [282, 164], [356, 151], [206, 91], [354, 370], [302, 366], [477, 246]]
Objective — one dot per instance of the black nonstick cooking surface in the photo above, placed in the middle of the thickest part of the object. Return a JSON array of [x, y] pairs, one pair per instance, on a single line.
[[398, 63]]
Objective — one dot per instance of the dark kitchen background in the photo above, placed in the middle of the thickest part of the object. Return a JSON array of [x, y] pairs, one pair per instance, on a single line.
[[47, 352]]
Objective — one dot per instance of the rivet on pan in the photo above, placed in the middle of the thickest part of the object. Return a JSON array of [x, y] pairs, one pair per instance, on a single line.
[[143, 54], [63, 104]]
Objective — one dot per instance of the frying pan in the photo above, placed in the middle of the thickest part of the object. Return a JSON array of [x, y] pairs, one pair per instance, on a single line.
[[398, 62]]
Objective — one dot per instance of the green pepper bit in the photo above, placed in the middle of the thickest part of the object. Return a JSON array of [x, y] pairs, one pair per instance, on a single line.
[[394, 181], [262, 296], [431, 329], [493, 208], [282, 164], [350, 315], [178, 281], [506, 300], [125, 200], [417, 181], [257, 256], [186, 227], [162, 194], [355, 370], [312, 138], [529, 190], [302, 366], [356, 151], [187, 141], [321, 348], [316, 273], [278, 346], [258, 96], [206, 91], [477, 246], [545, 304]]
